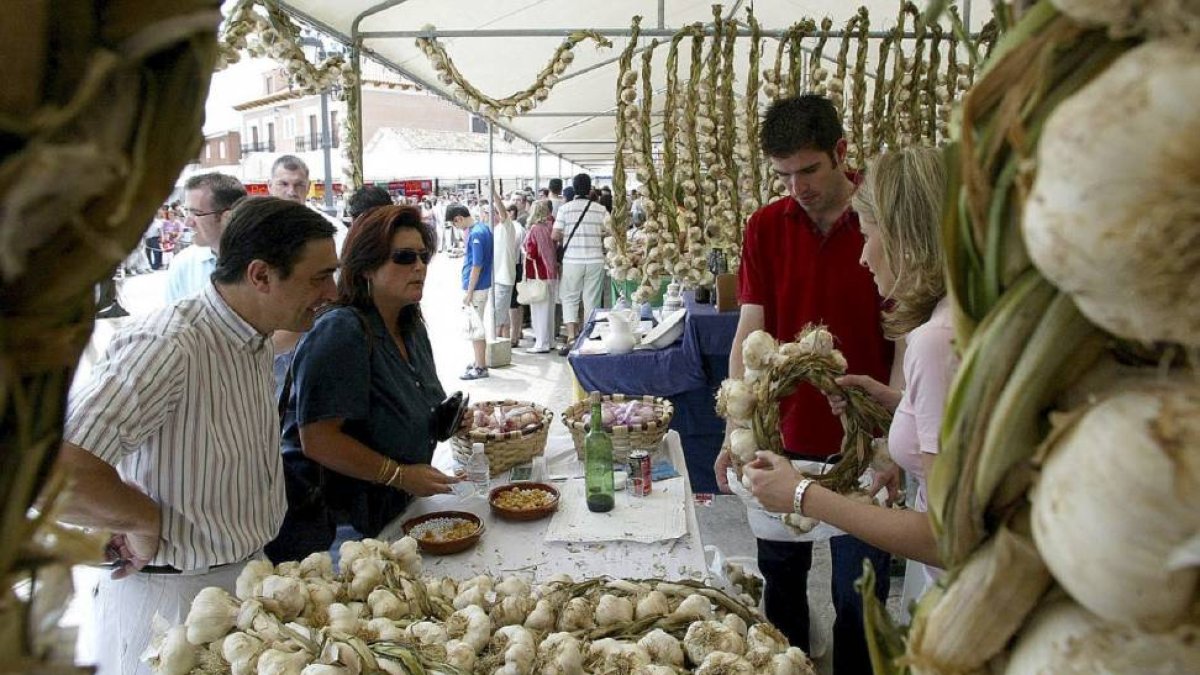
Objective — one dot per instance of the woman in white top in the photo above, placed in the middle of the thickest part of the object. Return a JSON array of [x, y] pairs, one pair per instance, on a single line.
[[899, 208]]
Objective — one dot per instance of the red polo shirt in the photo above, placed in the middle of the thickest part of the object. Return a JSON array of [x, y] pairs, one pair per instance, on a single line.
[[800, 276]]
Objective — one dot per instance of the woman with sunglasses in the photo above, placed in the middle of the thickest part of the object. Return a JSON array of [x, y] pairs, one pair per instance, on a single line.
[[358, 423]]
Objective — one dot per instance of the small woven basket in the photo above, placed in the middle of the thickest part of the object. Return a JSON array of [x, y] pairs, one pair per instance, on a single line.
[[508, 449], [624, 438]]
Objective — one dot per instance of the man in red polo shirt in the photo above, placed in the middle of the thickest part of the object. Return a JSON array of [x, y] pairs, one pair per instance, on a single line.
[[800, 266]]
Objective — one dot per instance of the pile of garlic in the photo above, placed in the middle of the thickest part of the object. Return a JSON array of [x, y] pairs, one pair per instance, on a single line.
[[378, 614]]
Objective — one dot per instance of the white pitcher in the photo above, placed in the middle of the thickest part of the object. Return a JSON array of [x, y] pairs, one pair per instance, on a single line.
[[620, 338]]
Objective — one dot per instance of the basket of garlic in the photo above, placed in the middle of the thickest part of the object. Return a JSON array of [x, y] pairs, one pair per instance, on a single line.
[[512, 433], [772, 372], [377, 614], [633, 422]]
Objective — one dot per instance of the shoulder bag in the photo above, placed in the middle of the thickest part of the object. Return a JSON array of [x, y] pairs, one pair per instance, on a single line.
[[561, 250]]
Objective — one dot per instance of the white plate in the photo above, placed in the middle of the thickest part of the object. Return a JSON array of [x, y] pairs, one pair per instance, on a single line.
[[667, 332]]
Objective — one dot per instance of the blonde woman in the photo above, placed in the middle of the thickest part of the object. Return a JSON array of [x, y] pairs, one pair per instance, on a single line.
[[899, 208], [541, 263]]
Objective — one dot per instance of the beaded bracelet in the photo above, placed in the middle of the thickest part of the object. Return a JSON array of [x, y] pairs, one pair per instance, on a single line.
[[798, 496]]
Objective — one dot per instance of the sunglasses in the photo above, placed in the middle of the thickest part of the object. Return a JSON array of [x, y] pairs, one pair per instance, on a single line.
[[408, 256]]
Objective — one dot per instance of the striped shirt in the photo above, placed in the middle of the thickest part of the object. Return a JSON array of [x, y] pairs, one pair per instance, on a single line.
[[182, 404], [587, 246]]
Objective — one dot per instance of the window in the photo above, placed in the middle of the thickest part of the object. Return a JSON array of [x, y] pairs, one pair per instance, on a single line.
[[289, 126], [221, 149], [208, 151], [270, 137], [334, 130], [314, 133], [478, 125], [254, 138]]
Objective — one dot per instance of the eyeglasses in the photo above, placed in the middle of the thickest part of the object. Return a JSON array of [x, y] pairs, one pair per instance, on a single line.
[[200, 214], [408, 256]]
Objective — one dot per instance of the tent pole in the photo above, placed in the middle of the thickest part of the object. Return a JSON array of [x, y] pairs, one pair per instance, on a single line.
[[537, 167], [490, 215]]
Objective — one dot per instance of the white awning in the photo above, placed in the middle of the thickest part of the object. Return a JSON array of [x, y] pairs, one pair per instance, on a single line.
[[500, 45]]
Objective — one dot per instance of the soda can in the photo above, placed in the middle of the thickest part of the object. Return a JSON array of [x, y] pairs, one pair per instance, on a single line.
[[639, 473]]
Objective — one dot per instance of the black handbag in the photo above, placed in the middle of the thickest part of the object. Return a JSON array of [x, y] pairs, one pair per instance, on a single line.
[[560, 251]]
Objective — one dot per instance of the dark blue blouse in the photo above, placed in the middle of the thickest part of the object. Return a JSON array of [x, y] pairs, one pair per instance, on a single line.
[[339, 371]]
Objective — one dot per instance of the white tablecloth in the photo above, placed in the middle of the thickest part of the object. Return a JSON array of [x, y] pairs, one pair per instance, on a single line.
[[521, 548]]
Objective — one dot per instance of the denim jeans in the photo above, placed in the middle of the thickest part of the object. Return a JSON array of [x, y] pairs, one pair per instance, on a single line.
[[784, 566]]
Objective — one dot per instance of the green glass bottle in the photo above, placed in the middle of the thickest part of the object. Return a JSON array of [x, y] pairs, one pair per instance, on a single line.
[[598, 462]]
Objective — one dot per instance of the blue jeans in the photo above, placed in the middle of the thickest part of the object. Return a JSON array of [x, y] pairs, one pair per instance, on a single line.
[[784, 566]]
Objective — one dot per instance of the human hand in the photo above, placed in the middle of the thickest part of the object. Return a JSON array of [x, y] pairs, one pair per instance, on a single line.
[[422, 480], [772, 480], [722, 463], [886, 396], [467, 299], [886, 477], [130, 552]]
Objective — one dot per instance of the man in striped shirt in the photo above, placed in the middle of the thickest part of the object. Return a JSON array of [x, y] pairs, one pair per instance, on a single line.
[[174, 443], [579, 226]]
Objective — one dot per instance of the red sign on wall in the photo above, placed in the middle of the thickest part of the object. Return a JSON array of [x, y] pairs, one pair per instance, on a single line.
[[411, 188]]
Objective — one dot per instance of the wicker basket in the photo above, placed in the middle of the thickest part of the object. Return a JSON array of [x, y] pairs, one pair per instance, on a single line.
[[624, 438], [504, 450]]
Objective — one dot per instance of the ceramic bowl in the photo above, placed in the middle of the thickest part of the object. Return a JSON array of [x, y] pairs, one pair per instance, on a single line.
[[415, 527], [523, 514]]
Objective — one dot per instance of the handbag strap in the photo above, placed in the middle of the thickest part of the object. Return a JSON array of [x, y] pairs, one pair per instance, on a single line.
[[577, 222]]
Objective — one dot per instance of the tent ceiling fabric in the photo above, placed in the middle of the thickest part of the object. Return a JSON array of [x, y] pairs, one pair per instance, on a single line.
[[500, 66]]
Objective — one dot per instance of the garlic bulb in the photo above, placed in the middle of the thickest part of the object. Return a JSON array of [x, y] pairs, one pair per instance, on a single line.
[[321, 593], [663, 648], [170, 653], [792, 662], [724, 663], [611, 610], [471, 625], [1062, 638], [705, 637], [368, 574], [609, 655], [757, 349], [1118, 493], [387, 630], [428, 632], [512, 609], [249, 580], [277, 662], [285, 597], [560, 654], [317, 566], [342, 618], [736, 623], [240, 650], [404, 551], [653, 603], [214, 612], [742, 445], [460, 654], [1115, 224], [576, 615], [471, 595], [736, 401]]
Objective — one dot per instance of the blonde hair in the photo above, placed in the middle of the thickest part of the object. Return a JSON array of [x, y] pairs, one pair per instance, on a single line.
[[539, 211], [903, 194]]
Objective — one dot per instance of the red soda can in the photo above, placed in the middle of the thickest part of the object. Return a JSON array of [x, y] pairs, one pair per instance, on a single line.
[[639, 473]]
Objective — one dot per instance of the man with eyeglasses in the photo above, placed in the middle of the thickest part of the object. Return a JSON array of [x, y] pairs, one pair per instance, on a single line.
[[208, 199]]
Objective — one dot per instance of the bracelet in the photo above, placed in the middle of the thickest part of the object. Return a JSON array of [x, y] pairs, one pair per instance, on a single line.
[[798, 496], [383, 471], [397, 475]]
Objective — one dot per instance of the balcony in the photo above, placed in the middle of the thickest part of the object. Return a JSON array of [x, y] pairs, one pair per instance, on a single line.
[[306, 143], [248, 148]]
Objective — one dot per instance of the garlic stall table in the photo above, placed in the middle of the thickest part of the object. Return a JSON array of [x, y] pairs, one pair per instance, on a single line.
[[522, 547]]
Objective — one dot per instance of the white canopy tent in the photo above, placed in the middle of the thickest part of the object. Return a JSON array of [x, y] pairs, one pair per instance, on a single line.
[[500, 45]]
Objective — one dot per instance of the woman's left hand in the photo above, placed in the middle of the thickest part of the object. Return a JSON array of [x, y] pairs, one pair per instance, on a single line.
[[773, 481], [422, 480]]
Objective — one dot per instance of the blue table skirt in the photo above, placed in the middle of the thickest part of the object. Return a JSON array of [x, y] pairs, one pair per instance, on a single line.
[[687, 373]]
